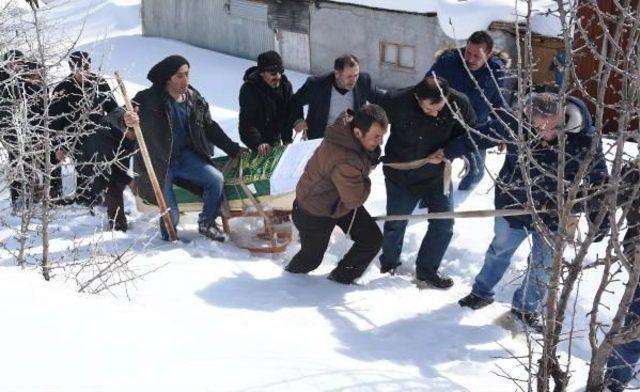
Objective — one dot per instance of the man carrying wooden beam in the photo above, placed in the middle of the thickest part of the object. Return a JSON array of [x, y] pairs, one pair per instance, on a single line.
[[179, 133]]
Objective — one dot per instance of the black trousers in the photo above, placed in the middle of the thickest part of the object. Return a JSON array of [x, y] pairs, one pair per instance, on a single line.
[[17, 186], [315, 232]]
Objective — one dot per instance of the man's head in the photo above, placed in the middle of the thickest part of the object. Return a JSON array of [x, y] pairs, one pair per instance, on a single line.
[[32, 70], [346, 70], [546, 115], [171, 74], [13, 59], [431, 94], [80, 64], [478, 50], [270, 68], [369, 125]]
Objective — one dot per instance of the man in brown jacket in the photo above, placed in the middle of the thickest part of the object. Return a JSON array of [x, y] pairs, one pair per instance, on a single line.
[[332, 190]]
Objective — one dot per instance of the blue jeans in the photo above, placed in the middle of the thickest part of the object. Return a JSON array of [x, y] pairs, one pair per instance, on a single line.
[[476, 170], [435, 242], [528, 297], [194, 169], [622, 361]]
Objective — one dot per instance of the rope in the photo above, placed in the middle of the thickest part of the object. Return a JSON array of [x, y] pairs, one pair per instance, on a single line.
[[353, 218], [418, 163], [446, 178], [410, 165]]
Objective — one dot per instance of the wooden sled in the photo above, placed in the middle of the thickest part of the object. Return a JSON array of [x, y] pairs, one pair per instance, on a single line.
[[276, 223], [251, 183]]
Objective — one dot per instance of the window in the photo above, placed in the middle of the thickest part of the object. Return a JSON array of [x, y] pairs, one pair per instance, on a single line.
[[397, 54], [247, 9]]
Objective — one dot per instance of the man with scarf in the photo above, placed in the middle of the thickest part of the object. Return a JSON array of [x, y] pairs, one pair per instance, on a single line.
[[180, 134]]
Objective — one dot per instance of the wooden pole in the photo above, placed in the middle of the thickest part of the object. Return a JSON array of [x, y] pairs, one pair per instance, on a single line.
[[459, 214], [162, 204]]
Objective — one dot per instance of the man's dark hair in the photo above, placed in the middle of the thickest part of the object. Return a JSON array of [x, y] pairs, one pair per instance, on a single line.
[[545, 104], [430, 88], [346, 60], [368, 114], [481, 37], [79, 59]]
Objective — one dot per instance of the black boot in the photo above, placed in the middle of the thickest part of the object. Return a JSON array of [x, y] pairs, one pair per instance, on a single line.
[[436, 280], [212, 231], [335, 276], [474, 302], [530, 320], [390, 269]]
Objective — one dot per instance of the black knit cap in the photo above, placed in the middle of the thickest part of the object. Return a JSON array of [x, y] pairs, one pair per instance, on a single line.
[[80, 58], [165, 69], [270, 62]]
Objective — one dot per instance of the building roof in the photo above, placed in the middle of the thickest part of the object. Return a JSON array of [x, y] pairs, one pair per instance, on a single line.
[[459, 18]]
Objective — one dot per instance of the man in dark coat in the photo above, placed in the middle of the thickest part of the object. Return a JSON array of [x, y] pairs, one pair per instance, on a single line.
[[22, 112], [422, 123], [485, 69], [332, 190], [79, 106], [265, 105], [547, 117], [331, 94], [180, 133], [10, 70]]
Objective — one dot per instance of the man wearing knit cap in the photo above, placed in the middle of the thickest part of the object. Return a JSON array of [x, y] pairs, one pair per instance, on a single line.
[[10, 64], [79, 106], [180, 134], [265, 116]]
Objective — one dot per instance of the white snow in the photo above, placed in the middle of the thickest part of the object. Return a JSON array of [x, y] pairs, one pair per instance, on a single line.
[[459, 18], [216, 318]]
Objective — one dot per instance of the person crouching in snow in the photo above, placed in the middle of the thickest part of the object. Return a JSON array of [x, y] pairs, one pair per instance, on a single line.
[[332, 190]]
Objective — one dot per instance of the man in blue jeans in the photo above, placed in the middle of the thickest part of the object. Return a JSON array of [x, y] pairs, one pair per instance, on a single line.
[[546, 119], [180, 135], [479, 74], [623, 358], [421, 125]]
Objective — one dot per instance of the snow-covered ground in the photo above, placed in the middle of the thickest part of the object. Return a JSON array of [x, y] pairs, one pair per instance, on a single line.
[[215, 317]]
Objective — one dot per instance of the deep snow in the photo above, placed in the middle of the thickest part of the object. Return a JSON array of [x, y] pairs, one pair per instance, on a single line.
[[216, 318]]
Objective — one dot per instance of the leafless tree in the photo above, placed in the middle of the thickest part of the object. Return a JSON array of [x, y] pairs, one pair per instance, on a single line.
[[38, 140], [601, 66]]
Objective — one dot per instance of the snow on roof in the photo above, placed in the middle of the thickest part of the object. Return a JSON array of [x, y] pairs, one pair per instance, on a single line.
[[459, 18]]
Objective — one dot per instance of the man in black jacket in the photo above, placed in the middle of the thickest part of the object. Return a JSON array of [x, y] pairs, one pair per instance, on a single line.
[[22, 111], [179, 133], [265, 98], [331, 94], [422, 123], [79, 106]]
